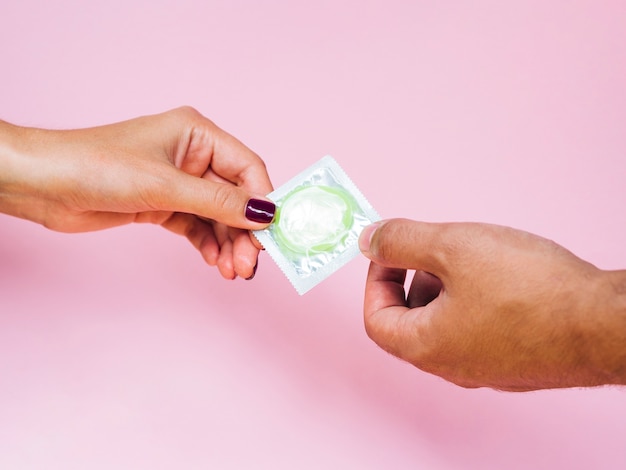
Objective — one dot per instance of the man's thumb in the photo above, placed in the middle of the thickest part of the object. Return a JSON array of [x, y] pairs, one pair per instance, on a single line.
[[405, 244]]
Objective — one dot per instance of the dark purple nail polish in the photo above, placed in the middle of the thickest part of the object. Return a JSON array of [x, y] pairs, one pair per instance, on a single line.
[[253, 272], [258, 210]]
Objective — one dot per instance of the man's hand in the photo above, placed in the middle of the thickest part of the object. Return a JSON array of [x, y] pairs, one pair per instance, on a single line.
[[493, 306]]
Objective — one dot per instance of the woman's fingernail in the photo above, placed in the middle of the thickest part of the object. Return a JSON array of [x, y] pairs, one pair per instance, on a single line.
[[365, 239], [253, 272], [259, 210]]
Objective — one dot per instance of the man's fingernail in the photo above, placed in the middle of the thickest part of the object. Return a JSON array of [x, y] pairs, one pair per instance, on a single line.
[[259, 210], [365, 239]]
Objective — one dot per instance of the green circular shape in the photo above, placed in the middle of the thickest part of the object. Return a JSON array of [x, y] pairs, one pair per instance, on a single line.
[[314, 218]]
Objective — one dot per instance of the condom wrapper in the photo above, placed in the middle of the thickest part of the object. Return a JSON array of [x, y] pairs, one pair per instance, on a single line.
[[320, 214]]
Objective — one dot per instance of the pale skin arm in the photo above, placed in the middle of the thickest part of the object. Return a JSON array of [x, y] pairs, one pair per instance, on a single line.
[[176, 169], [490, 306]]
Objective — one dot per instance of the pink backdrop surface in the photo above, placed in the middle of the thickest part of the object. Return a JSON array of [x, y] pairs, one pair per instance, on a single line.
[[121, 349]]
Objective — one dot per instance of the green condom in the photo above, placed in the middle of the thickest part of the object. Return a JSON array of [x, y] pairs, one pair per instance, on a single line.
[[319, 216], [314, 219]]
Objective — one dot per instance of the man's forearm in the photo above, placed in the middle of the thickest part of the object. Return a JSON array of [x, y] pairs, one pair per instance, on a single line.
[[609, 348]]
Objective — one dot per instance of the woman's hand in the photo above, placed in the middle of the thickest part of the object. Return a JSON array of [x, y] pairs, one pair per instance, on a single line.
[[176, 169]]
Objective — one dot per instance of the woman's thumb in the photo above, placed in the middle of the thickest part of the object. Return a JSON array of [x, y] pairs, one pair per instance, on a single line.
[[222, 202]]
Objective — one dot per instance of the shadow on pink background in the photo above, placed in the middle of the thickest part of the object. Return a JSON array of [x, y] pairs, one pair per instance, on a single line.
[[121, 349]]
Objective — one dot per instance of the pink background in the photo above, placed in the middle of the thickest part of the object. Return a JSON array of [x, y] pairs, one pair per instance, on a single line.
[[121, 349]]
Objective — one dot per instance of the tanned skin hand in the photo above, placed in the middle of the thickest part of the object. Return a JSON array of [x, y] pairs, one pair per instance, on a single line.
[[490, 306]]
